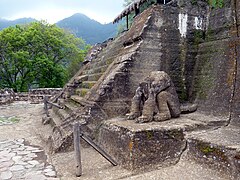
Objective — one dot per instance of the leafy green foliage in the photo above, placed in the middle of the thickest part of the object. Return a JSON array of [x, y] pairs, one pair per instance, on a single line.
[[36, 55], [216, 3]]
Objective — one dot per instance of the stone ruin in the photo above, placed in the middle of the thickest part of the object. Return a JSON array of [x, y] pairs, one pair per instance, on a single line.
[[6, 96], [198, 46], [34, 96]]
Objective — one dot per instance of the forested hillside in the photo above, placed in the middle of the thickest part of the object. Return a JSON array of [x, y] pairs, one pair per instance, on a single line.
[[6, 23], [88, 29]]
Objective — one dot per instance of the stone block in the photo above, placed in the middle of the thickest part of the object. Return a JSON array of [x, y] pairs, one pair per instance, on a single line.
[[218, 149], [141, 146]]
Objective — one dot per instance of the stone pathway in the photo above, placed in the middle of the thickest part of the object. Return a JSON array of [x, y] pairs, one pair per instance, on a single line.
[[21, 161]]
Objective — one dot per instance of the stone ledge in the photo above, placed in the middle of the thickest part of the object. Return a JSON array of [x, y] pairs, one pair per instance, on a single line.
[[144, 146], [141, 146], [219, 149]]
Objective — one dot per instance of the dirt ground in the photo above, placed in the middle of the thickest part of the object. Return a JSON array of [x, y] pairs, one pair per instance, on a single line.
[[27, 125]]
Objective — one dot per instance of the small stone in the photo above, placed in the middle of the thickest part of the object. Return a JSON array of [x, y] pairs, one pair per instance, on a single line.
[[47, 170], [5, 159], [33, 162], [6, 175], [6, 164], [16, 168], [37, 151], [35, 177], [15, 146], [11, 155], [26, 158], [23, 152], [16, 158], [49, 167], [2, 169], [51, 173], [32, 155], [20, 141], [40, 166], [21, 163], [30, 148], [29, 166], [20, 148], [4, 153]]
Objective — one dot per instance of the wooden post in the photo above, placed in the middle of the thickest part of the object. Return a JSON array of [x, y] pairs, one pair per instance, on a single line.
[[160, 1], [137, 10], [76, 136], [45, 100]]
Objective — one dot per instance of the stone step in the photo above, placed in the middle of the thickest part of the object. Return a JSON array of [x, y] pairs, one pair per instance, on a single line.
[[82, 91], [81, 100], [81, 78], [219, 149], [104, 62], [99, 62], [55, 118], [88, 84], [70, 106], [61, 113], [94, 77], [100, 69]]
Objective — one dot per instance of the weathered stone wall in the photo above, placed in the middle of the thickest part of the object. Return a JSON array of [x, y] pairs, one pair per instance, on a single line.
[[235, 55], [34, 95], [155, 42], [216, 65], [6, 96]]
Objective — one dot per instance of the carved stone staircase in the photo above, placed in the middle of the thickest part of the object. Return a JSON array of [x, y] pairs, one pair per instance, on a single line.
[[75, 106]]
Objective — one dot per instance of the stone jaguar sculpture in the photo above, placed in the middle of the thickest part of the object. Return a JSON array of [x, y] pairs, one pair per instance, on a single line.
[[156, 100]]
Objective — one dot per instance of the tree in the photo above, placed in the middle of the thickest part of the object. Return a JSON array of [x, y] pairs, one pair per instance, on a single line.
[[36, 55]]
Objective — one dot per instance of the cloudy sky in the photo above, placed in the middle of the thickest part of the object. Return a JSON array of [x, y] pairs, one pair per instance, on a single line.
[[103, 11]]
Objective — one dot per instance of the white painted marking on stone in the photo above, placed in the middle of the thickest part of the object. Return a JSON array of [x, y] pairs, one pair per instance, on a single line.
[[183, 18], [198, 23]]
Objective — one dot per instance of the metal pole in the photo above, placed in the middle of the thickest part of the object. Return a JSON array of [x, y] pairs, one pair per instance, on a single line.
[[76, 136]]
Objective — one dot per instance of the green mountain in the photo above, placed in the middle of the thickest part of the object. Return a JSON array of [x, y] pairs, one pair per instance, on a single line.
[[88, 29], [82, 26], [6, 23]]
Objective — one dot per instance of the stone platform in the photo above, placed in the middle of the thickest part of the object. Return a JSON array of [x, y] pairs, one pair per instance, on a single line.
[[219, 149], [143, 146]]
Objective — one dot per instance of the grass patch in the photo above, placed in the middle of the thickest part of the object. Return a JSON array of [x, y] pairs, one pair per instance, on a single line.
[[9, 120]]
